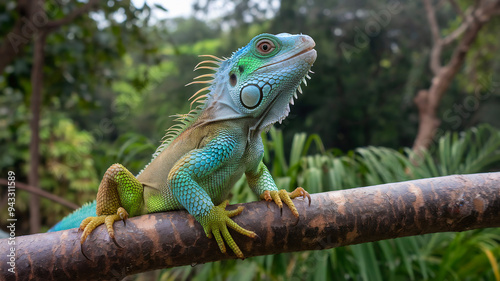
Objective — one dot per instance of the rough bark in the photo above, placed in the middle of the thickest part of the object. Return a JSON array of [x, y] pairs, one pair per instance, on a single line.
[[428, 100], [334, 219]]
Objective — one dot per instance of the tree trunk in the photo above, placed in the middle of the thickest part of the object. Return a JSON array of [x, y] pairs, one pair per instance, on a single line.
[[428, 122], [334, 219], [35, 107]]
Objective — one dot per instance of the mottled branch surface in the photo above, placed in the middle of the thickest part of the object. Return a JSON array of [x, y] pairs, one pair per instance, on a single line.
[[334, 219]]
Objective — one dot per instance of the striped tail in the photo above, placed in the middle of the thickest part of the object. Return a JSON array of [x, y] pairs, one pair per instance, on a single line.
[[74, 219]]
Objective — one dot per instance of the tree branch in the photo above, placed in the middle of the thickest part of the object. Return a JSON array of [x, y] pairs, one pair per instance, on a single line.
[[334, 219], [437, 47], [457, 8], [54, 24], [43, 193], [460, 30], [431, 17]]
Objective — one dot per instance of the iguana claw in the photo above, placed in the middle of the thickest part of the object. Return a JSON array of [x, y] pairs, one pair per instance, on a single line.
[[89, 224], [216, 223], [280, 196]]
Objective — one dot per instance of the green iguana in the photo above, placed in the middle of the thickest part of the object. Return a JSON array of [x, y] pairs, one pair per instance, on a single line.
[[214, 144]]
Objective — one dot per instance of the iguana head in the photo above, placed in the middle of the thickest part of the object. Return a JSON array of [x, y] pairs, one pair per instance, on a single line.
[[260, 80]]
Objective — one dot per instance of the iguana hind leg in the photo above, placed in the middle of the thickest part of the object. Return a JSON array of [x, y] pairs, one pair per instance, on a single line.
[[119, 195]]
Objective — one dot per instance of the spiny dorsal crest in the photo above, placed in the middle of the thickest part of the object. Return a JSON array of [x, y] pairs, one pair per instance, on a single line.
[[199, 98]]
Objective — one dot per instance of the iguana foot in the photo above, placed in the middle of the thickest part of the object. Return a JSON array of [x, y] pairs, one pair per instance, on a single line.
[[280, 196], [89, 224], [216, 223]]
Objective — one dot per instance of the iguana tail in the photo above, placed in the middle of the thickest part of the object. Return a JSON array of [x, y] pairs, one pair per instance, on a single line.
[[74, 219]]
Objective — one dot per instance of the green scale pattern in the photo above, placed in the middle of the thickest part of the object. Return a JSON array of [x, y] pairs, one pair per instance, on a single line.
[[190, 170]]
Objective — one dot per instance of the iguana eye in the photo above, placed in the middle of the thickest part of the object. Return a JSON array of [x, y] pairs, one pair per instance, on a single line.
[[265, 46]]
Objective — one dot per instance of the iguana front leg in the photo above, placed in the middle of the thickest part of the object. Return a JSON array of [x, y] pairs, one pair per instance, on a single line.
[[199, 166], [262, 184], [120, 194]]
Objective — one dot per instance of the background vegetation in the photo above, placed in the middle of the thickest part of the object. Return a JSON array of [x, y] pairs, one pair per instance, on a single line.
[[113, 76]]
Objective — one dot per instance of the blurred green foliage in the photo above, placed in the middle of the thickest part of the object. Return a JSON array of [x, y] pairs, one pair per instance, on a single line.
[[113, 78]]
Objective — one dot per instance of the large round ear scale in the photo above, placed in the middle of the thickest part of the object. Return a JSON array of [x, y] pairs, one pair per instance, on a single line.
[[251, 96]]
